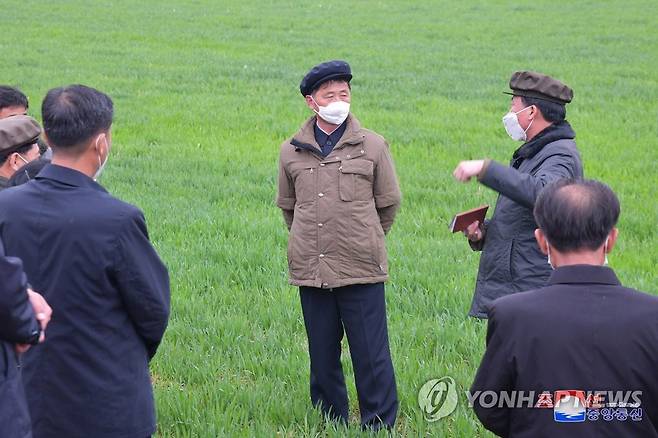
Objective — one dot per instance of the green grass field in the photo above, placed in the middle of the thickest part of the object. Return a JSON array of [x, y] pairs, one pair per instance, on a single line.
[[205, 91]]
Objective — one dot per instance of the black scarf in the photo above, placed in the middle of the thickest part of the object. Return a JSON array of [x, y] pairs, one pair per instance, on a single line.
[[554, 132]]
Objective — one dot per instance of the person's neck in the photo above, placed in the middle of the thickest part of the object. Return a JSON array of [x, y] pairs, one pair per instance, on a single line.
[[537, 126], [6, 171], [326, 127], [596, 258], [75, 163]]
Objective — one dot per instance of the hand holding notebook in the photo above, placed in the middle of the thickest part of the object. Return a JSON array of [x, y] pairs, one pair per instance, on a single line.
[[462, 220]]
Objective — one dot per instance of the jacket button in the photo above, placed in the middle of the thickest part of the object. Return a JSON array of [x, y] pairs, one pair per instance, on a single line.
[[362, 151], [325, 284], [320, 194], [321, 256], [322, 164], [320, 225], [348, 156]]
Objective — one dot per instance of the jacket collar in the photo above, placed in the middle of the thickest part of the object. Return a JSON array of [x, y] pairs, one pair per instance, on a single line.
[[584, 274], [68, 176], [305, 138], [554, 132]]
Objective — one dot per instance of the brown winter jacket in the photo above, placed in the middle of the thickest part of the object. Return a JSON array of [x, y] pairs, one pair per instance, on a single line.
[[337, 208]]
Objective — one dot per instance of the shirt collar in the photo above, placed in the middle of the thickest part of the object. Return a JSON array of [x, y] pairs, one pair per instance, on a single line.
[[352, 134], [584, 274], [317, 126], [68, 176]]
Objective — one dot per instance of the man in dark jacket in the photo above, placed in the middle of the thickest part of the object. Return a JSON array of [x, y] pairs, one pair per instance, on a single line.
[[511, 261], [576, 358], [20, 327], [90, 255]]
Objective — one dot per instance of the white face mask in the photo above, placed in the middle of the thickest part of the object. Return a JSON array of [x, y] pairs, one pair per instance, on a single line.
[[548, 250], [334, 113], [101, 165], [512, 126], [605, 253]]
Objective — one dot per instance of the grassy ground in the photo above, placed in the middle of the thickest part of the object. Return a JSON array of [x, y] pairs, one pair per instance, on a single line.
[[205, 91]]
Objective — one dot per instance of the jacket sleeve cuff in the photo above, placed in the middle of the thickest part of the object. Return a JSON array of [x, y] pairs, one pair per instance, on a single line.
[[387, 199], [494, 175], [286, 203], [485, 167]]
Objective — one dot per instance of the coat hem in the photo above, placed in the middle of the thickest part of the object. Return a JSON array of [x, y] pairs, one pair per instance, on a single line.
[[339, 282]]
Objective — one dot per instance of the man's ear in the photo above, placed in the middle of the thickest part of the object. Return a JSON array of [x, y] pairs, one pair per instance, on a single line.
[[102, 137], [534, 112], [101, 143], [612, 239], [541, 241], [311, 103], [15, 161]]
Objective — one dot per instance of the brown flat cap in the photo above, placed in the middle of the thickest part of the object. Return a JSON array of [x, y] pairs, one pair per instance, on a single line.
[[539, 86], [16, 132]]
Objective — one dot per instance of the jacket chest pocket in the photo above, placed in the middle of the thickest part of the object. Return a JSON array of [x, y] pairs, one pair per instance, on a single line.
[[305, 180], [355, 180]]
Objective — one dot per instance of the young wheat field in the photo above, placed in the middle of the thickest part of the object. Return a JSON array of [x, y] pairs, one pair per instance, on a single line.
[[205, 92]]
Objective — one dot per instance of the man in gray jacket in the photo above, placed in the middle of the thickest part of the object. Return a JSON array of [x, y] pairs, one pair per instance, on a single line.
[[511, 260]]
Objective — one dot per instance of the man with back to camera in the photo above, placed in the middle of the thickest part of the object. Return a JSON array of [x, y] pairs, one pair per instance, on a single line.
[[24, 315], [90, 255], [582, 332], [18, 145], [511, 261], [339, 194]]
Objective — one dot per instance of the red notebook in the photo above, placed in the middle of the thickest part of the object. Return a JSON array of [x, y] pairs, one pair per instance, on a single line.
[[462, 220]]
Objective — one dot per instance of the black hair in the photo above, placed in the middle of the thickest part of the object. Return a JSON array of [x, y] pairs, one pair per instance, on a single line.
[[552, 111], [74, 114], [576, 214], [21, 150], [10, 96]]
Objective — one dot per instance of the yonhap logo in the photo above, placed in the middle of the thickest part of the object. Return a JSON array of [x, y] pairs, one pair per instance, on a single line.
[[570, 406], [437, 398]]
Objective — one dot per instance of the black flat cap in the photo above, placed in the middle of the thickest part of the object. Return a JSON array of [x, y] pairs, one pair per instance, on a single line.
[[324, 72], [16, 132], [539, 86]]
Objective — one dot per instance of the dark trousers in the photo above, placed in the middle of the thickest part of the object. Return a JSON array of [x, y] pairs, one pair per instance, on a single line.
[[360, 312]]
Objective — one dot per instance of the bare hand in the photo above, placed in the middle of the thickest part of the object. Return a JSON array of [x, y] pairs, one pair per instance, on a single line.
[[465, 170], [474, 232], [42, 311], [21, 348]]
